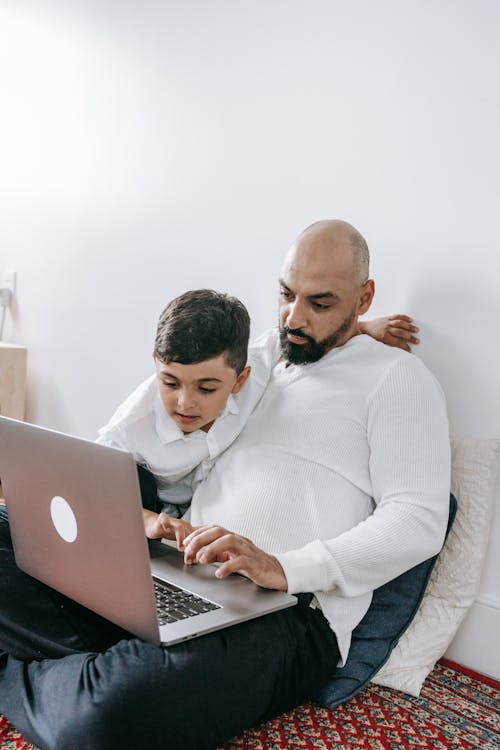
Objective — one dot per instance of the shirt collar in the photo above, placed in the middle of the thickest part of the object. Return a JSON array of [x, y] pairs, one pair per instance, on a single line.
[[217, 435], [231, 407], [169, 432]]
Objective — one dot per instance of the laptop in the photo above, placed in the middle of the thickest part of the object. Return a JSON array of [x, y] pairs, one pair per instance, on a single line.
[[76, 522]]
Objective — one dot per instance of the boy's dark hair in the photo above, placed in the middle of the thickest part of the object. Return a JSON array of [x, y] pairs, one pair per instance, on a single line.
[[202, 324]]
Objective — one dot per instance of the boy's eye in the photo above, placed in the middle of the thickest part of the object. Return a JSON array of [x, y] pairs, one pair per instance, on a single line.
[[169, 383], [204, 389], [286, 293]]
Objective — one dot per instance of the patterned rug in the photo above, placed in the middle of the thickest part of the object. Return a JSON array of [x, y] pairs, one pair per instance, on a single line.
[[457, 708]]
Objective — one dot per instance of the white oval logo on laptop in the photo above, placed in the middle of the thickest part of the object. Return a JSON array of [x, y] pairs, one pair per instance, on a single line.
[[63, 519]]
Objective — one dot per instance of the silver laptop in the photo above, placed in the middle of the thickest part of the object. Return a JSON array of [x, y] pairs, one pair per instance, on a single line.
[[76, 522]]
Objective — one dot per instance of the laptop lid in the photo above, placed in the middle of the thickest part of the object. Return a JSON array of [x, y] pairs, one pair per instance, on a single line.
[[76, 522]]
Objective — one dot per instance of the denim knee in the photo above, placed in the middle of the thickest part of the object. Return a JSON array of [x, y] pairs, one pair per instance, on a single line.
[[117, 701]]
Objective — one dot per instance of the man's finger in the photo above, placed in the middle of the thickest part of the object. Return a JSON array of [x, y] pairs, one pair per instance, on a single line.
[[237, 564], [194, 543], [220, 549], [199, 531]]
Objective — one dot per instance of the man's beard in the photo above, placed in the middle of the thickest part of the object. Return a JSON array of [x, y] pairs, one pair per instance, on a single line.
[[303, 354]]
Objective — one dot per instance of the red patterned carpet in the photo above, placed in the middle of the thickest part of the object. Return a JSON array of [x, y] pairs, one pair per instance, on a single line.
[[456, 709]]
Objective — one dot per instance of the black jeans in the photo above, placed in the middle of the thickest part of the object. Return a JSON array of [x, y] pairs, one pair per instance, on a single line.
[[70, 680]]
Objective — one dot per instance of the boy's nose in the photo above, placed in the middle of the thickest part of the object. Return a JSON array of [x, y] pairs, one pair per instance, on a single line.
[[186, 401]]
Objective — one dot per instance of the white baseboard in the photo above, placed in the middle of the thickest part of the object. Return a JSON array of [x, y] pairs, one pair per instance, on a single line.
[[476, 643]]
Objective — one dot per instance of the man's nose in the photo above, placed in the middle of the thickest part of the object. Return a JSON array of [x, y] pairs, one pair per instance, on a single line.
[[296, 315]]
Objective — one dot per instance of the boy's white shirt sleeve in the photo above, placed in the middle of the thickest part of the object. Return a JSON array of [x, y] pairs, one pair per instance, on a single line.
[[117, 437], [410, 472], [113, 433], [112, 437], [264, 353]]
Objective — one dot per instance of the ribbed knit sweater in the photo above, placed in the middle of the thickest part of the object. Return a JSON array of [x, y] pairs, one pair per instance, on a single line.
[[342, 472]]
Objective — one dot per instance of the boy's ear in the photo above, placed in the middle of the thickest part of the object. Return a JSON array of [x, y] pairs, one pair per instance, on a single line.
[[241, 379]]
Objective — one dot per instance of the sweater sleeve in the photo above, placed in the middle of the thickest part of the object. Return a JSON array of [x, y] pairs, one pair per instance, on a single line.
[[409, 465]]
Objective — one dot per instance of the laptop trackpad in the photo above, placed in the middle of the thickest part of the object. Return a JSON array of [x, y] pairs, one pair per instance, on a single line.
[[158, 549]]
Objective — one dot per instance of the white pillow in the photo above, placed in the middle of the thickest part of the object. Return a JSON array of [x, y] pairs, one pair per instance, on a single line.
[[454, 582]]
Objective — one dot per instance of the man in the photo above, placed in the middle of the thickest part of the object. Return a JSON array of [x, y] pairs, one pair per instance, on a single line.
[[339, 482]]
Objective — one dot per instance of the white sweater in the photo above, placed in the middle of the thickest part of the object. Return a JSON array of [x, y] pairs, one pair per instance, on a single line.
[[342, 472]]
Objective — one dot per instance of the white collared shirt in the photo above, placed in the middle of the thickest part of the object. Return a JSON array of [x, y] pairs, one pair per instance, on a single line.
[[178, 461]]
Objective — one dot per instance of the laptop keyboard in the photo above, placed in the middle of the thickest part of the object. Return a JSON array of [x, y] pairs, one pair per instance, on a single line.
[[174, 603]]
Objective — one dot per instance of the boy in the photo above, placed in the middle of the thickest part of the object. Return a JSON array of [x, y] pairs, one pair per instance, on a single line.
[[180, 419]]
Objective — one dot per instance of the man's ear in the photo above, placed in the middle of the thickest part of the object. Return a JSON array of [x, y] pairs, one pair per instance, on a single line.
[[241, 379], [366, 296]]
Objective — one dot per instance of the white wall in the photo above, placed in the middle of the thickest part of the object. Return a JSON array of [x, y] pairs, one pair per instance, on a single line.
[[147, 148]]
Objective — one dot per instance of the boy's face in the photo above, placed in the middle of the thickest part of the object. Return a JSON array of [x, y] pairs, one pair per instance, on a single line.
[[194, 395]]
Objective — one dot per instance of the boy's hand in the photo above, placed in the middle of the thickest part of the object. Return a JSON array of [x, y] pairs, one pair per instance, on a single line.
[[393, 330], [162, 526]]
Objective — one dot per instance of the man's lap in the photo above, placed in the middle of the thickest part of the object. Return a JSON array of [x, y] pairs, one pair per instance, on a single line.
[[197, 693]]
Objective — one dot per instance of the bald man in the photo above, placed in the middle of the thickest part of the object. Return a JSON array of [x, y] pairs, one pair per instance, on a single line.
[[343, 469], [338, 483]]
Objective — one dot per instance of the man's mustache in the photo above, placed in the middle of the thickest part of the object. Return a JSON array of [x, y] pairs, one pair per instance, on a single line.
[[296, 332]]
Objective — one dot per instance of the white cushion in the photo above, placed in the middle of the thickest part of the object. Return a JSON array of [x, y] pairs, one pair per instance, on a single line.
[[454, 582]]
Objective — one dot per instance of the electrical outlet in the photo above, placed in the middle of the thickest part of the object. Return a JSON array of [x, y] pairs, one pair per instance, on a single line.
[[9, 280]]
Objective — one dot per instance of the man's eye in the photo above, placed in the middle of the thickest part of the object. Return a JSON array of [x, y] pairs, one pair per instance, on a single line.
[[286, 294], [320, 306], [169, 384]]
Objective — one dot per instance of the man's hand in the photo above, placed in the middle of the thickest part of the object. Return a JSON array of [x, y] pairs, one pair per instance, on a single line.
[[209, 544], [161, 526], [393, 330]]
